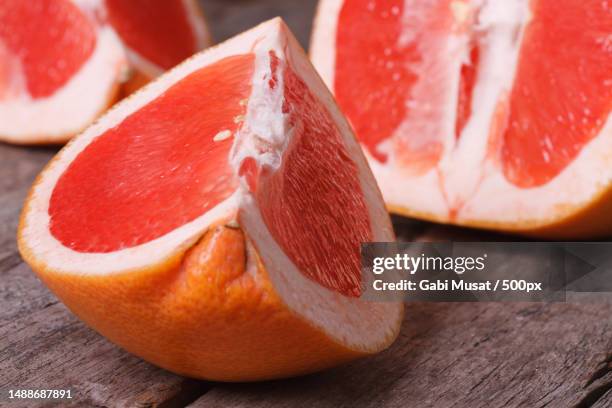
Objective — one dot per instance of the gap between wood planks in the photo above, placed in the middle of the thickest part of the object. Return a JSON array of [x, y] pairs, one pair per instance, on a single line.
[[190, 391], [601, 380]]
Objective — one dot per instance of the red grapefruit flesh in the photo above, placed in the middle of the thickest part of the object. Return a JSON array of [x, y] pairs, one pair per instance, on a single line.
[[293, 199], [469, 71], [218, 215], [162, 34], [476, 105], [46, 68], [7, 68], [171, 169], [572, 82], [373, 59]]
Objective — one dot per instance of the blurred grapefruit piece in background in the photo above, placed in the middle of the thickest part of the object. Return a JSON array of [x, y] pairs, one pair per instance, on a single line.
[[64, 62], [486, 113]]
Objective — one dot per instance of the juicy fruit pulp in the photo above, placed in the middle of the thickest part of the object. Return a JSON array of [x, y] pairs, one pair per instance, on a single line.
[[170, 162], [157, 170], [392, 79], [371, 117], [49, 57], [565, 66], [318, 219], [162, 34]]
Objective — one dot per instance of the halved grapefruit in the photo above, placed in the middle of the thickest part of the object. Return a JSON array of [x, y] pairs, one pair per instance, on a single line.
[[488, 113], [62, 62], [211, 223]]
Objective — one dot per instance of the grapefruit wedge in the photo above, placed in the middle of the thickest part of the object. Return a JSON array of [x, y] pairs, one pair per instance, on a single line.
[[487, 113], [63, 62], [211, 223]]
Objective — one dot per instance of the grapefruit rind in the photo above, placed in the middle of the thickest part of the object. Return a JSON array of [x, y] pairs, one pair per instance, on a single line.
[[280, 323]]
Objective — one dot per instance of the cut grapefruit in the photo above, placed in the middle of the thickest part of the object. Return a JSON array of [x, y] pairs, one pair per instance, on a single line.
[[211, 223], [57, 80], [487, 113]]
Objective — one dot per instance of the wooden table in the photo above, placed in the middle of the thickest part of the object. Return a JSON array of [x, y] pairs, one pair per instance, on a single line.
[[448, 354]]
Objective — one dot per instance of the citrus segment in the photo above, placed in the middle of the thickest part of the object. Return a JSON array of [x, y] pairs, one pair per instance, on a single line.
[[49, 57], [162, 167], [373, 79], [315, 196], [162, 34], [391, 80], [562, 94]]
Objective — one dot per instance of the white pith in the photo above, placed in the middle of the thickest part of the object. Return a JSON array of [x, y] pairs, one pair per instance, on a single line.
[[71, 108], [355, 323], [466, 186]]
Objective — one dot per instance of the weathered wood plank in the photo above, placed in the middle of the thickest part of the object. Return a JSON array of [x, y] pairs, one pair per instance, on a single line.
[[42, 345], [457, 355], [605, 401], [18, 168], [600, 387]]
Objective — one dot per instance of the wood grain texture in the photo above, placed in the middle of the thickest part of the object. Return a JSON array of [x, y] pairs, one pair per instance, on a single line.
[[42, 345], [605, 401], [448, 355], [459, 355]]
